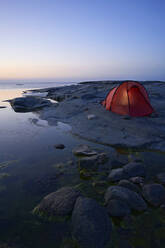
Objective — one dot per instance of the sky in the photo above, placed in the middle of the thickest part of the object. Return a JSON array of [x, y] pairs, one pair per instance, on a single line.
[[76, 40]]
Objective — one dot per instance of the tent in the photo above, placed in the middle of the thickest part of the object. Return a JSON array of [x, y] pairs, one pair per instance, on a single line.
[[129, 98]]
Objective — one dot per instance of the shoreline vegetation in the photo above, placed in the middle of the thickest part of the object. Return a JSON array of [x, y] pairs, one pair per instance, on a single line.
[[129, 198]]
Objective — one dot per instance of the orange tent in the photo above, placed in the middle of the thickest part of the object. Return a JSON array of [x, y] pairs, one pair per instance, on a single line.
[[129, 98]]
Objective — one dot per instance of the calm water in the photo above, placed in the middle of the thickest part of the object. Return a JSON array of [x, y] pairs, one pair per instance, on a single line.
[[29, 170]]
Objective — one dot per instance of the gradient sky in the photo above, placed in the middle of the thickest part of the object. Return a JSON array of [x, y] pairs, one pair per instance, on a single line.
[[72, 40]]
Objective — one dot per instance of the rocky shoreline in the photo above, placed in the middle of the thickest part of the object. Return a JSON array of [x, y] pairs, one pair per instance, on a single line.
[[124, 188], [123, 194], [79, 106]]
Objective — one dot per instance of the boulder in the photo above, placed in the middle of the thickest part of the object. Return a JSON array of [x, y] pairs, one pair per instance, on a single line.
[[117, 175], [118, 208], [134, 169], [154, 194], [91, 226], [127, 184], [29, 103], [83, 150], [59, 203], [131, 198]]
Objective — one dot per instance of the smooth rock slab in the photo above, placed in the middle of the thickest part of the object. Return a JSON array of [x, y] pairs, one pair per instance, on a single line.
[[154, 194], [91, 226], [134, 169], [59, 203], [29, 103], [133, 199], [84, 150], [118, 208]]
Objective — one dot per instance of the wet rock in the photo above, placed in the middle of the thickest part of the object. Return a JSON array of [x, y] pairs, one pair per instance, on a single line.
[[127, 184], [134, 169], [84, 150], [133, 199], [59, 203], [92, 162], [154, 194], [137, 180], [59, 146], [91, 226], [118, 208], [29, 103], [91, 117], [116, 175], [161, 178]]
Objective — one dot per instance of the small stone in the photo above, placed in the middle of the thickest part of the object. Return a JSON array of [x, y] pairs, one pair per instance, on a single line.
[[127, 117], [91, 117], [59, 146], [154, 194], [137, 180], [70, 162], [84, 150], [60, 165], [118, 208], [91, 226]]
